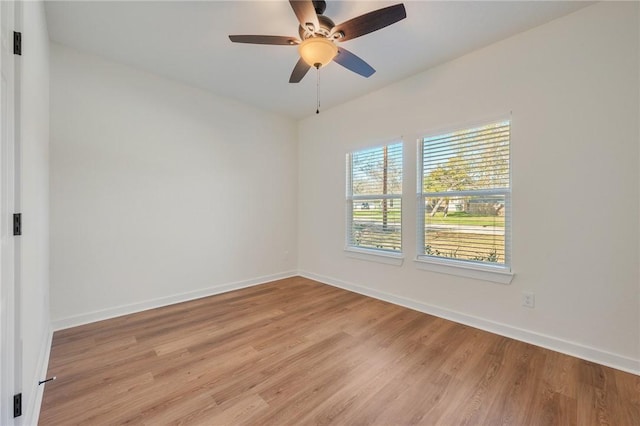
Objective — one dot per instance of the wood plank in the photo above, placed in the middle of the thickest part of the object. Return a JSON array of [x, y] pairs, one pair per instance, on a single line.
[[295, 351]]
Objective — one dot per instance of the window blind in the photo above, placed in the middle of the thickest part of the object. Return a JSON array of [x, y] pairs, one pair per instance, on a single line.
[[465, 195], [374, 198]]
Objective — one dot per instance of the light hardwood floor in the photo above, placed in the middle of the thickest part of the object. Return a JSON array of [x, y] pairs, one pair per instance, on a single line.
[[299, 352]]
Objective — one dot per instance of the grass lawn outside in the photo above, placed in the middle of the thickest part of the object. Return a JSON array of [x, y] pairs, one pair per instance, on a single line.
[[393, 215], [463, 218], [459, 235]]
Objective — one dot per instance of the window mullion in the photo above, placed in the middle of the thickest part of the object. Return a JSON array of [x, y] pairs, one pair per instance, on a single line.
[[471, 192]]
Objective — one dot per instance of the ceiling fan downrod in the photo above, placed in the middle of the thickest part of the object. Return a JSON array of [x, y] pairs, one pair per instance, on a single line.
[[317, 88]]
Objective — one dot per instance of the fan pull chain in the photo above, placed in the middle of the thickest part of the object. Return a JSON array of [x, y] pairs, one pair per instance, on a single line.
[[318, 88]]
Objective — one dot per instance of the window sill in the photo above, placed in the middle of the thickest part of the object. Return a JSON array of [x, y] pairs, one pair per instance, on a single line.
[[375, 256], [463, 269]]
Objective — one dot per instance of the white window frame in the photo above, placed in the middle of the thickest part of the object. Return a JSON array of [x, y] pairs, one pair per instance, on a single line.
[[466, 268], [369, 253]]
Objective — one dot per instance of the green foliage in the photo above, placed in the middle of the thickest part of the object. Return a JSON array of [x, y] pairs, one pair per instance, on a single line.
[[490, 257], [453, 176], [474, 159], [435, 252]]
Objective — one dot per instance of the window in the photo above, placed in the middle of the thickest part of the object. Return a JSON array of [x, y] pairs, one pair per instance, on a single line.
[[464, 197], [374, 199]]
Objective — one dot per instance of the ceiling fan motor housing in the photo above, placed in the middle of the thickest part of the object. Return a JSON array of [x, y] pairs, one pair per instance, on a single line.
[[326, 25]]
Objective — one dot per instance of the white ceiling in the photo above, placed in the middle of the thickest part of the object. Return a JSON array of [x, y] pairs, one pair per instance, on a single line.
[[187, 41]]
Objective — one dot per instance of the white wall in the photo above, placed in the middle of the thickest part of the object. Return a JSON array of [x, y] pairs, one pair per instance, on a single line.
[[572, 86], [34, 188], [161, 192]]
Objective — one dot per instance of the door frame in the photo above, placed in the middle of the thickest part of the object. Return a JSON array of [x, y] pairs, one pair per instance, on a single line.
[[10, 335]]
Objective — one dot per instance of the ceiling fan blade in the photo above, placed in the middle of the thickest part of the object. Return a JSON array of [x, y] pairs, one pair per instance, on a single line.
[[370, 22], [353, 63], [305, 12], [299, 71], [264, 39]]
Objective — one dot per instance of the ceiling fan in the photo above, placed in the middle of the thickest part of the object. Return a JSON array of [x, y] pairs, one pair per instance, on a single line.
[[319, 35]]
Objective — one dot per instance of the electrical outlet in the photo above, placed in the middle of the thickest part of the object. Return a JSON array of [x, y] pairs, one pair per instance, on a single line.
[[528, 299]]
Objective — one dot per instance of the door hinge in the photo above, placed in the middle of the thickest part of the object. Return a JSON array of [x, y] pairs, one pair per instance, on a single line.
[[17, 224], [17, 405], [17, 43]]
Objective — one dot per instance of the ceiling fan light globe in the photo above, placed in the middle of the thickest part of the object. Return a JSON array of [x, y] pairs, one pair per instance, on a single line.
[[317, 50]]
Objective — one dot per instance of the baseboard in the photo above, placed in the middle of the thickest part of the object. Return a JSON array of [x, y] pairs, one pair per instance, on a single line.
[[32, 412], [577, 350], [89, 317]]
